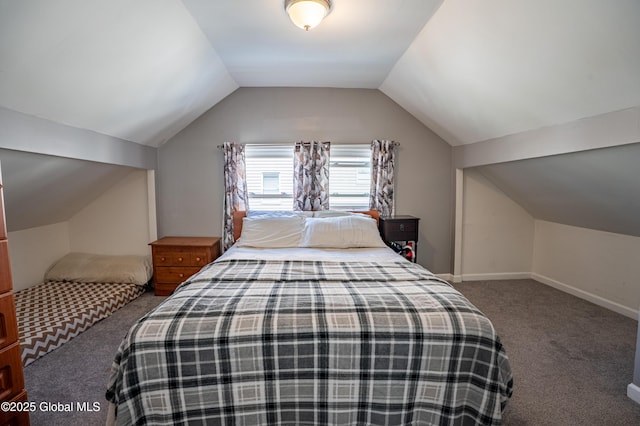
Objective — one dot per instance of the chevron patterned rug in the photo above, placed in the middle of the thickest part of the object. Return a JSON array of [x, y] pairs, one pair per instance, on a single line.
[[52, 313]]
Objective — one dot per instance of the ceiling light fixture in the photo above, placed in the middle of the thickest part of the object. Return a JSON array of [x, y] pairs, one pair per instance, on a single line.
[[306, 14]]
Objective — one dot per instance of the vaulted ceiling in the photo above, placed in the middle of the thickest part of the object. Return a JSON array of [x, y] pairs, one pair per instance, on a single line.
[[596, 189], [473, 71], [46, 189], [470, 70]]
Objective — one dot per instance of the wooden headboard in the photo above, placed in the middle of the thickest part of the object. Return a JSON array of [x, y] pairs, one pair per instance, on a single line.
[[239, 215]]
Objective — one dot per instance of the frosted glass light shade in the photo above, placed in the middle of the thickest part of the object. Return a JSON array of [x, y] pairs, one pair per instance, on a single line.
[[307, 14]]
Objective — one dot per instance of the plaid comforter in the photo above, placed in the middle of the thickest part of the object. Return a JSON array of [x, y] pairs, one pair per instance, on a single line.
[[252, 342]]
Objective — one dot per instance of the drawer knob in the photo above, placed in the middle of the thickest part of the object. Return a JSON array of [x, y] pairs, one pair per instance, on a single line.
[[163, 258], [179, 259], [181, 275], [198, 259]]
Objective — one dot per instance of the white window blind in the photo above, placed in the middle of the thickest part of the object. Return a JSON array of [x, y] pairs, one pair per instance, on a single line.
[[270, 176], [349, 177], [270, 182]]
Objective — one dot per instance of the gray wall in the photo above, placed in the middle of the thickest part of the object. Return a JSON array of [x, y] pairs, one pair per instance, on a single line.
[[190, 179]]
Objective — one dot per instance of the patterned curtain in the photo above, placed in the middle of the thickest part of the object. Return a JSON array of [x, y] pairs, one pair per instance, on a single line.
[[311, 176], [236, 196], [382, 162]]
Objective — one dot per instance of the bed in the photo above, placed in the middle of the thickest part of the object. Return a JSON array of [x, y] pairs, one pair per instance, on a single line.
[[78, 290], [310, 321]]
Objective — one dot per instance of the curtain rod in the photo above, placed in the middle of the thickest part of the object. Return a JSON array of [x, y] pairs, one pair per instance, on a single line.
[[293, 143], [265, 144]]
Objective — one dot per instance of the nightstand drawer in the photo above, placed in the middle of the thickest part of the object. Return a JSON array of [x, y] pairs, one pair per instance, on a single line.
[[201, 257], [164, 256], [174, 274], [400, 231], [169, 258], [399, 228]]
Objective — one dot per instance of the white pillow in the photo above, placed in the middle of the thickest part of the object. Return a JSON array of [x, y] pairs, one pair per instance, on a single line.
[[271, 231], [98, 268], [331, 213], [341, 232], [277, 213]]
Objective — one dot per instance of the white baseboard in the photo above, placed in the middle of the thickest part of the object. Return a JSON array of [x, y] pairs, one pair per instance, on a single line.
[[446, 277], [633, 392], [598, 300], [496, 276]]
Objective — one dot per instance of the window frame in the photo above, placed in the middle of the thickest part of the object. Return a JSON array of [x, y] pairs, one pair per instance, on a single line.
[[349, 156], [339, 157]]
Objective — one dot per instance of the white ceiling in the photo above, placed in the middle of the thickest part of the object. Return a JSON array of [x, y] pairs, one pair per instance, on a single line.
[[137, 70], [596, 189], [486, 69], [471, 70], [356, 45], [43, 189]]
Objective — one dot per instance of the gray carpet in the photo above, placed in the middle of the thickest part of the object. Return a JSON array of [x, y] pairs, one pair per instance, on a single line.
[[572, 360], [78, 371]]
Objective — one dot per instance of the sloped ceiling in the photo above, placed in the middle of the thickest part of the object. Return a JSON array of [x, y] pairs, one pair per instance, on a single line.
[[469, 70], [472, 71], [42, 190], [596, 189], [136, 70], [483, 69]]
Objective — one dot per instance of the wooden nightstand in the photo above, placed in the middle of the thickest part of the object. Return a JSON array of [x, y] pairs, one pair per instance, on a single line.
[[175, 259], [400, 228]]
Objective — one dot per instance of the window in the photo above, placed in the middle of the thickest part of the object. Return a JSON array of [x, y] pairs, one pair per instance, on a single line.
[[270, 176], [349, 177], [270, 182]]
